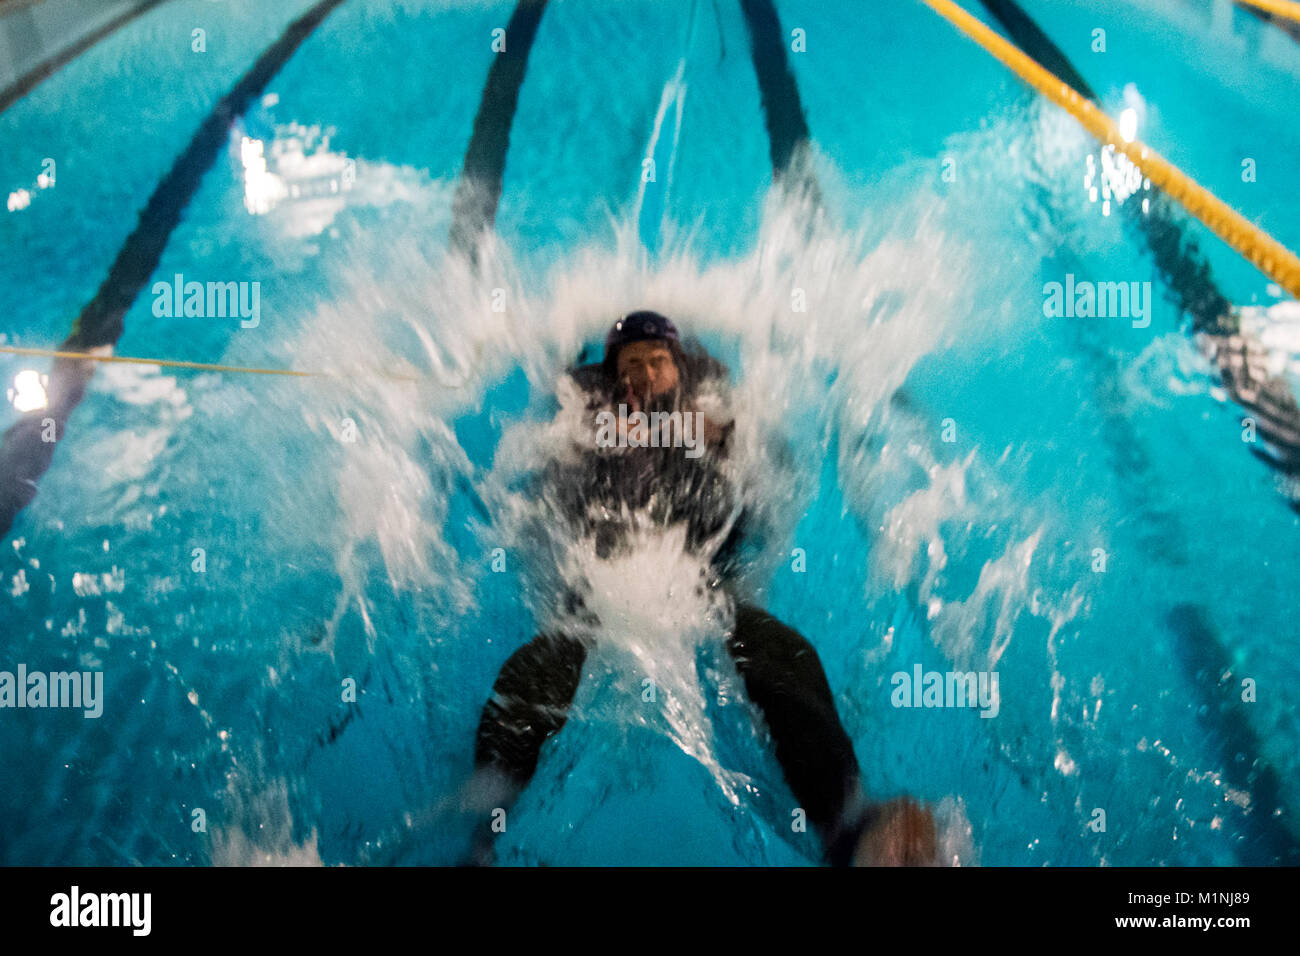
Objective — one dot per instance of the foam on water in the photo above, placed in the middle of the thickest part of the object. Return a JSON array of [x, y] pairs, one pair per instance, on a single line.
[[655, 611], [259, 831], [807, 307], [819, 327]]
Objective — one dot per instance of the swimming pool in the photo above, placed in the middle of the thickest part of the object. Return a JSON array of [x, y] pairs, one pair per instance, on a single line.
[[968, 484]]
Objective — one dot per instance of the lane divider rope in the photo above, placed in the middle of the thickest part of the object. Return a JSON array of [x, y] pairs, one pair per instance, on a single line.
[[198, 366], [1281, 8], [1258, 247]]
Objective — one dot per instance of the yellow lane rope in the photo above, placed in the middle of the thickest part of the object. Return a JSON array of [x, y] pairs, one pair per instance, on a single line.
[[1282, 8], [1258, 247], [200, 366]]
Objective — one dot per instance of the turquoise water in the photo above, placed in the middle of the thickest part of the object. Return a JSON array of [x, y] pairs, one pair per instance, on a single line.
[[372, 559]]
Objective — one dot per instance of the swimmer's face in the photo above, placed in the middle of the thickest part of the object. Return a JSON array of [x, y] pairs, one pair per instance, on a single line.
[[648, 367]]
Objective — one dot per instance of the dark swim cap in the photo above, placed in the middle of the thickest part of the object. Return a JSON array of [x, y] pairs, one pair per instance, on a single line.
[[637, 327]]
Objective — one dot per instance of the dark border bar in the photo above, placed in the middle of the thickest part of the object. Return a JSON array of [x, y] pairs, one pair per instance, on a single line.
[[354, 905]]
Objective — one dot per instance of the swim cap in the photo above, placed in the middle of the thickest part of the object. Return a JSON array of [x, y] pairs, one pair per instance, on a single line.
[[638, 327]]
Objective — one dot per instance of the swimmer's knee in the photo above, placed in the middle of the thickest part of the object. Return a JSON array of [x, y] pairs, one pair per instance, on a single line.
[[758, 634], [782, 669], [529, 703], [541, 658]]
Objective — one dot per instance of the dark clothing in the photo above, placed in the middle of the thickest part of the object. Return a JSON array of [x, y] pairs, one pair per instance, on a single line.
[[782, 674], [665, 484], [783, 677], [530, 702]]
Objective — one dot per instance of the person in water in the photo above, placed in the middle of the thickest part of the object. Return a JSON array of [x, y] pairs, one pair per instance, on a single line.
[[637, 464]]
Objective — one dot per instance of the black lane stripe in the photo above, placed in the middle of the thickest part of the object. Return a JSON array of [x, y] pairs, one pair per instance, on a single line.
[[1186, 273], [1181, 266], [478, 192], [1268, 838], [787, 126], [1180, 263], [33, 78], [1188, 276], [100, 323], [1029, 37], [1196, 641], [24, 455]]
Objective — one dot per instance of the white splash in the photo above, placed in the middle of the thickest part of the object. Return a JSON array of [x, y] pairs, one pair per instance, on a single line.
[[260, 829], [863, 316]]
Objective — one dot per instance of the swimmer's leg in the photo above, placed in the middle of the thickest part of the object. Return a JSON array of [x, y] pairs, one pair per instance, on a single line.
[[530, 702], [784, 678]]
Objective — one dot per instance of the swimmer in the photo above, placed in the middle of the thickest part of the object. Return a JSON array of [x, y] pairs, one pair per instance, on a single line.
[[647, 369]]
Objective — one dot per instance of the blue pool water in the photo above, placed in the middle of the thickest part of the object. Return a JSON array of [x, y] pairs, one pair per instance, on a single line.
[[346, 527]]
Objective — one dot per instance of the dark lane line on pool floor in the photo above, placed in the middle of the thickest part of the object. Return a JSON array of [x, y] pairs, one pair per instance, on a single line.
[[1196, 641], [48, 67], [478, 192], [28, 445], [1162, 534], [1240, 361], [787, 125], [1222, 712], [1031, 38]]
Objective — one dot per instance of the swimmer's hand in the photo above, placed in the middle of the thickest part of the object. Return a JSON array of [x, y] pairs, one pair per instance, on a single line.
[[715, 434], [901, 833], [625, 394]]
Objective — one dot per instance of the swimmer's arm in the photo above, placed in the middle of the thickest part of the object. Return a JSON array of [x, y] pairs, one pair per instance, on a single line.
[[718, 435], [718, 422]]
